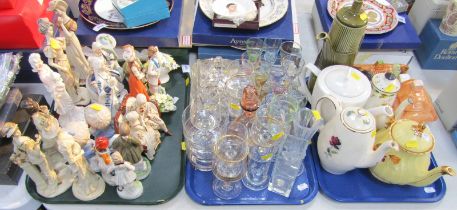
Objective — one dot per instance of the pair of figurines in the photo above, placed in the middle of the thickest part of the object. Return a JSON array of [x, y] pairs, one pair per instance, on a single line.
[[55, 160], [147, 79], [119, 171]]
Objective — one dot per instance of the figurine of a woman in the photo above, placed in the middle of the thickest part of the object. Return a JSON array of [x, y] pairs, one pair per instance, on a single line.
[[161, 61], [107, 45], [150, 139], [128, 187], [28, 155], [136, 77], [54, 51], [53, 83], [106, 88], [71, 118], [131, 150], [67, 27]]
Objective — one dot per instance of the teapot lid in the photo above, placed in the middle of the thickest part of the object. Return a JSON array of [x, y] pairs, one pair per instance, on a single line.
[[358, 120], [386, 82], [346, 81], [412, 136]]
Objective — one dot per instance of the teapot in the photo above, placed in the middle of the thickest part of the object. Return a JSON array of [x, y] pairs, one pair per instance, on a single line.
[[348, 85], [410, 164], [346, 141]]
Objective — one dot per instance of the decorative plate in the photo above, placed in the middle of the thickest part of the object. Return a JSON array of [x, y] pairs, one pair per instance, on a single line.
[[382, 16], [270, 12], [103, 12]]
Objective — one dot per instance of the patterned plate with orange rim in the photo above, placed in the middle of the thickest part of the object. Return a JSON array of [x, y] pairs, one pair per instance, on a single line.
[[98, 12], [382, 16]]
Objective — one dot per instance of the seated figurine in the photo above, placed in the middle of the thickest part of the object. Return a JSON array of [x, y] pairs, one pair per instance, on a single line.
[[150, 139], [131, 149]]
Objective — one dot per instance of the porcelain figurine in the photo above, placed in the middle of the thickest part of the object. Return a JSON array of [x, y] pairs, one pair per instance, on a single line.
[[149, 114], [71, 117], [150, 139], [346, 141], [127, 185], [107, 46], [87, 185], [131, 149], [346, 84], [41, 116], [67, 27], [104, 88], [54, 51], [133, 69], [103, 160], [158, 94], [27, 154], [99, 118], [410, 164], [161, 61]]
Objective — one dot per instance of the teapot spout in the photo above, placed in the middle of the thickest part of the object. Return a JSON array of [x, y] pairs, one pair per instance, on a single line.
[[373, 157], [432, 175]]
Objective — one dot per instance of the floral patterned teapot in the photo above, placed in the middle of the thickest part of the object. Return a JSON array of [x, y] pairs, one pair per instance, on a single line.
[[346, 141], [410, 164]]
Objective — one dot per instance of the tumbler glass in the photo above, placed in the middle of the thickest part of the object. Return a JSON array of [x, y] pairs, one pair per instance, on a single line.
[[199, 143], [265, 134], [229, 167], [271, 48], [254, 48], [290, 50]]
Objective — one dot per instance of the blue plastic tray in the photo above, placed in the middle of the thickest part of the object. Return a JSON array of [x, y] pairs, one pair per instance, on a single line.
[[199, 189], [360, 186]]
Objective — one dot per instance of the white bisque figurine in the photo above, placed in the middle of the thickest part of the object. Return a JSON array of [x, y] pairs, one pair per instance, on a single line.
[[131, 150], [127, 185], [68, 27], [54, 51], [107, 45], [28, 155], [71, 117], [161, 61], [86, 185], [149, 139], [48, 136]]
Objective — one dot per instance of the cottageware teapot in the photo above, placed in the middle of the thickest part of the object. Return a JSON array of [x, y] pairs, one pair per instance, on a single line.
[[384, 89], [410, 164], [346, 141], [346, 84]]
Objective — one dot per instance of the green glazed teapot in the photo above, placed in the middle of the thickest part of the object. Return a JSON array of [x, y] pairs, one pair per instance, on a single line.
[[410, 164]]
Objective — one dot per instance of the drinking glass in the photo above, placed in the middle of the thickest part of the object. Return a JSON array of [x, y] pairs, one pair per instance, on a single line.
[[229, 167], [199, 143], [234, 89], [283, 107], [254, 48], [265, 134], [290, 50], [271, 48]]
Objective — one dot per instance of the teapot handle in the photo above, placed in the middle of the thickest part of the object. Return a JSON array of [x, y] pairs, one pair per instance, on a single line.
[[335, 102], [301, 79]]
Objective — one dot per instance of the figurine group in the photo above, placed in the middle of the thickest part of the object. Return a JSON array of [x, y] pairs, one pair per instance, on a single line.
[[70, 150]]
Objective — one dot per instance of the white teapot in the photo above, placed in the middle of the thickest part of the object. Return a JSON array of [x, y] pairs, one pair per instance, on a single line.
[[348, 85], [346, 142]]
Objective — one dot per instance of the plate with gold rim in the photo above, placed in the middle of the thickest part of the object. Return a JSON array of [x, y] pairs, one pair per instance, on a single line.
[[382, 16], [271, 11], [98, 12]]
